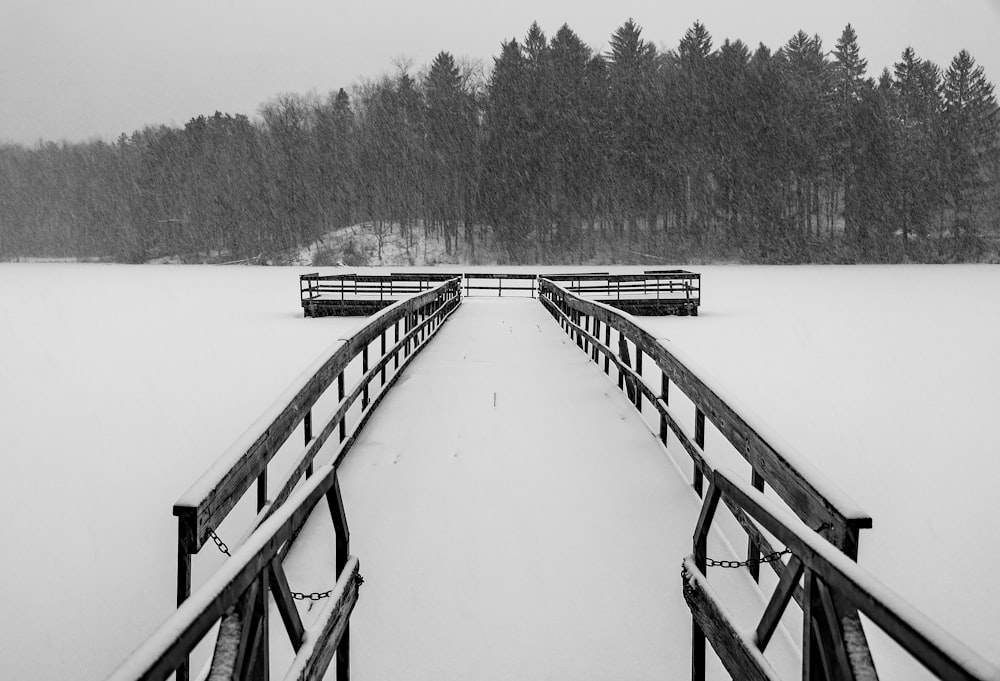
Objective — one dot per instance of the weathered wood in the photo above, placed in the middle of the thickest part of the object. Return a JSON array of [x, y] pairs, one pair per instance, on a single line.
[[936, 649], [779, 601], [282, 594], [738, 655], [699, 440], [158, 656], [788, 480], [313, 659], [211, 498], [337, 420]]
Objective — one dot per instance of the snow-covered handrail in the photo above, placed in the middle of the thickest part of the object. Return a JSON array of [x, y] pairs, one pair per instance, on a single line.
[[237, 594], [797, 482], [203, 507], [834, 590]]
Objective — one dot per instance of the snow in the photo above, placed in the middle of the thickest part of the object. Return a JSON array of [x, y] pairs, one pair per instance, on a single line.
[[886, 379], [120, 385]]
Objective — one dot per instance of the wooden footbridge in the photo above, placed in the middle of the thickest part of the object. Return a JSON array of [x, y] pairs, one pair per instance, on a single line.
[[453, 485]]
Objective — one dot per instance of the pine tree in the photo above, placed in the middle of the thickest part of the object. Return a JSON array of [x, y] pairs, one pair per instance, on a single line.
[[969, 105]]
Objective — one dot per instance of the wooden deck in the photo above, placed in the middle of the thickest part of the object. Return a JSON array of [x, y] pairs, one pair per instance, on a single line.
[[653, 293]]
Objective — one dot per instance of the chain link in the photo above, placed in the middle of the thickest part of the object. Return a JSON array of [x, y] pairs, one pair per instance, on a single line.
[[219, 543], [297, 595], [769, 558]]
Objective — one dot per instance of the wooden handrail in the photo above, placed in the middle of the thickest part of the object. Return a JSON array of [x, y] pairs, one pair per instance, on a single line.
[[795, 481], [837, 588], [203, 506], [207, 503], [252, 567]]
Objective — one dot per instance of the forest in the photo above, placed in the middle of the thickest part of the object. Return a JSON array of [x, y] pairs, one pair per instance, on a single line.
[[554, 153]]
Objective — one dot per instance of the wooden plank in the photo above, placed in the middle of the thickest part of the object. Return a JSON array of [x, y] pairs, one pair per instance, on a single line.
[[779, 601], [282, 594], [738, 655], [313, 659]]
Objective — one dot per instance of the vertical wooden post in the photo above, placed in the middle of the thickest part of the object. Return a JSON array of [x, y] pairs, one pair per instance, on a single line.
[[607, 342], [382, 356], [262, 671], [753, 551], [595, 355], [665, 396], [335, 501], [340, 398], [262, 490], [638, 370], [699, 439], [307, 435], [708, 508], [395, 340], [183, 672], [364, 373]]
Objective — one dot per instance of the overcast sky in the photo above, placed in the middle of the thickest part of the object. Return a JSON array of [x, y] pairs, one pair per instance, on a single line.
[[81, 69]]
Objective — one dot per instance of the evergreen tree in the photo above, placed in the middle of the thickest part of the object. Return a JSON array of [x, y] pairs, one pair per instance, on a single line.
[[969, 129]]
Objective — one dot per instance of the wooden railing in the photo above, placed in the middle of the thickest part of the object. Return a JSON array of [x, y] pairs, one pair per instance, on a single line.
[[495, 281], [237, 594], [245, 464], [606, 333], [654, 284], [315, 285], [834, 590], [818, 525]]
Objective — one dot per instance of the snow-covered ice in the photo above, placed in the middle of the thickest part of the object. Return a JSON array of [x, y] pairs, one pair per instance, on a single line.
[[119, 385]]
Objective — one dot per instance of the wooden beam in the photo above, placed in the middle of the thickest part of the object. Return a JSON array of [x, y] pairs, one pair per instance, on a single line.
[[321, 641], [739, 656]]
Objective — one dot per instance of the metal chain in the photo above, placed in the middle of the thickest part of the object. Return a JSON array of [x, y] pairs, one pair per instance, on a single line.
[[297, 595], [769, 558], [219, 543]]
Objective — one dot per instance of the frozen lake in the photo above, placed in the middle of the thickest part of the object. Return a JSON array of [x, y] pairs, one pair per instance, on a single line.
[[119, 385]]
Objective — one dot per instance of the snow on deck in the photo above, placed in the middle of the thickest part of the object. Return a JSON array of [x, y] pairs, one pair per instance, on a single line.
[[514, 516]]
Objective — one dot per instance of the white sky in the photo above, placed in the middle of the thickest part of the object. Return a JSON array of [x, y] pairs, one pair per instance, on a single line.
[[77, 70]]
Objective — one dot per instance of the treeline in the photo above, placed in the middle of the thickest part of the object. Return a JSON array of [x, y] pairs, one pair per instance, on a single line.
[[559, 154]]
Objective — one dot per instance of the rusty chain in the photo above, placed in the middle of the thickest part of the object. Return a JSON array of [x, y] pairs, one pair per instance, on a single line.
[[297, 595]]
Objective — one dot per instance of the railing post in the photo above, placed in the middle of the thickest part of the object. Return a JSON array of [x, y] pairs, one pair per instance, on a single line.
[[665, 396], [307, 435], [364, 372], [262, 489], [699, 439], [382, 356], [340, 398], [753, 551], [183, 672], [607, 342], [395, 340], [597, 334], [638, 371]]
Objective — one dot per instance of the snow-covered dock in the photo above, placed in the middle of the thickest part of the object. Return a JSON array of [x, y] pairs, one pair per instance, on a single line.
[[514, 515]]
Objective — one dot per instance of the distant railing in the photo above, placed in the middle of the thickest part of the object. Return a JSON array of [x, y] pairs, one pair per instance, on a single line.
[[252, 572], [677, 285], [495, 281], [314, 285]]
